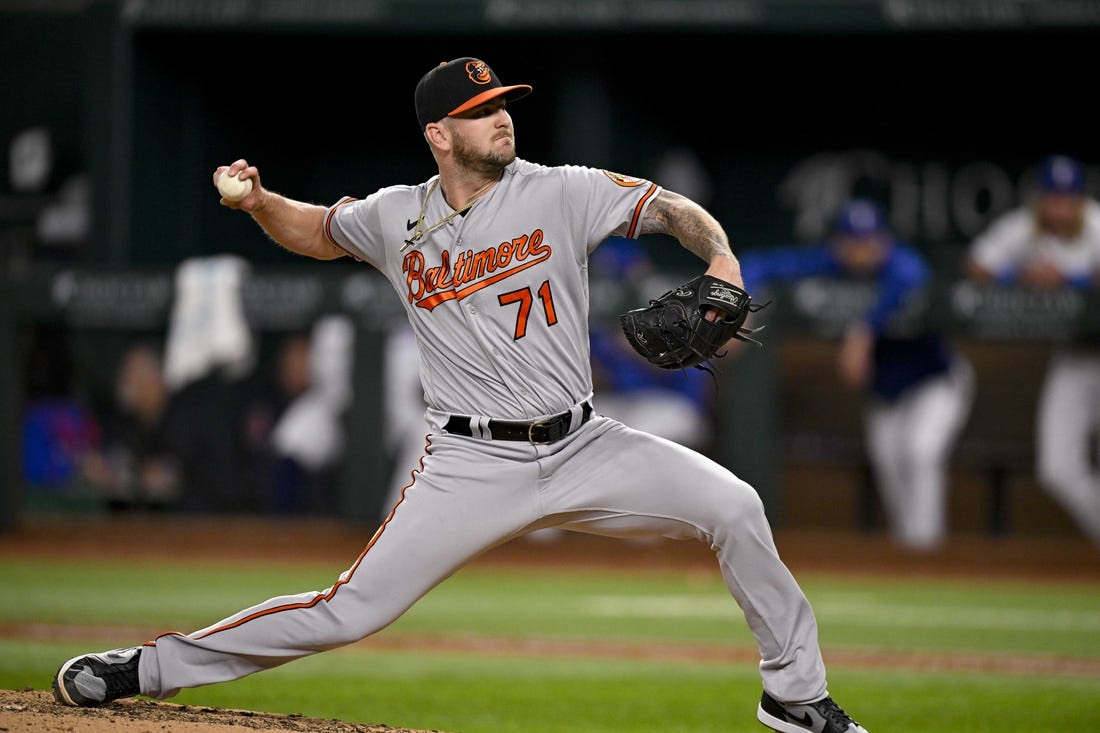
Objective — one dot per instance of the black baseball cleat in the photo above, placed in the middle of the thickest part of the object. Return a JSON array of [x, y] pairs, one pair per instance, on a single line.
[[823, 716], [96, 679]]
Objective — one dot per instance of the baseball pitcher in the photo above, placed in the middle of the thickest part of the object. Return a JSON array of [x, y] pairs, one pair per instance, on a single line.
[[489, 259]]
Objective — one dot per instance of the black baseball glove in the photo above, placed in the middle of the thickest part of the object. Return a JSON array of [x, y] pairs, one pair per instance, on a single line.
[[672, 332]]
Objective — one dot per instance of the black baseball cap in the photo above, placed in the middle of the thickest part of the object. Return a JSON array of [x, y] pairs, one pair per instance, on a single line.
[[458, 85]]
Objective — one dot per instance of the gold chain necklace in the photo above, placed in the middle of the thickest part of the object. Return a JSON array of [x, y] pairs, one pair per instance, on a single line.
[[421, 232]]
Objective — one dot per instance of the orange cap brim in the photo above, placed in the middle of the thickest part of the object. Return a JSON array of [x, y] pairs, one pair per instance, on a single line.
[[491, 94]]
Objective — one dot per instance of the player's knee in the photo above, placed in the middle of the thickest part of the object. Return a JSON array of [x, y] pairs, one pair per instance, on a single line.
[[352, 631], [1056, 476], [353, 619], [1060, 467], [926, 535], [741, 506], [927, 453]]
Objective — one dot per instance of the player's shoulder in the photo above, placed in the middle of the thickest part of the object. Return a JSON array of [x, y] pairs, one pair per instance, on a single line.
[[404, 190], [1014, 226], [907, 258], [1092, 212], [1016, 218], [400, 194], [526, 176], [907, 250], [572, 172], [521, 167], [1091, 230], [526, 170]]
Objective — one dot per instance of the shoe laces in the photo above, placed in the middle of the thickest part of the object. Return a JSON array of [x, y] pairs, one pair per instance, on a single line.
[[834, 713], [120, 678]]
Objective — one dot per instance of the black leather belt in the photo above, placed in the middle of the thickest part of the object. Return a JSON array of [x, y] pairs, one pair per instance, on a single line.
[[539, 431]]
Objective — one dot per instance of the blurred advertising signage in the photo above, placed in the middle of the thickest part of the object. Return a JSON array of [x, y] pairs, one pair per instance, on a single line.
[[370, 297], [929, 201], [270, 300], [282, 300], [825, 307], [113, 300], [996, 312]]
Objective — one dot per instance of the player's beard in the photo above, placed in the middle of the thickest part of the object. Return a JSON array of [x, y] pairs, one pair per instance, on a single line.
[[488, 163]]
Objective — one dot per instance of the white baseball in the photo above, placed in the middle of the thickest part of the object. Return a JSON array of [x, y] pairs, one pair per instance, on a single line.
[[233, 188]]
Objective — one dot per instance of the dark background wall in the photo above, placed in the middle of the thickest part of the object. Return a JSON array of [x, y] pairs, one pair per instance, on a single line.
[[326, 115], [939, 110]]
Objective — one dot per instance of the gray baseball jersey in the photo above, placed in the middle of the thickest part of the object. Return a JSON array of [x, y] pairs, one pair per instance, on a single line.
[[498, 299]]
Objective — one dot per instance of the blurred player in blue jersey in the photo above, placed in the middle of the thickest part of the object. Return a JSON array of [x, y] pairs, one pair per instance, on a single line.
[[918, 389]]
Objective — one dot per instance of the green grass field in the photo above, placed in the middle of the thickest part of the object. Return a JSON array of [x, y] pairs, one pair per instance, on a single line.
[[1037, 648]]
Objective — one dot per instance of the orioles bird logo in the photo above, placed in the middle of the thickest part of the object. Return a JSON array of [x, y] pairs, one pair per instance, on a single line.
[[478, 72], [624, 181]]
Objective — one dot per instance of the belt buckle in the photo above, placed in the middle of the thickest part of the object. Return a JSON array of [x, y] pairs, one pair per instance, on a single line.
[[531, 433]]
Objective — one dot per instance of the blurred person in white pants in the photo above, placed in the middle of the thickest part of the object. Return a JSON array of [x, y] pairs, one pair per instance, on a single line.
[[403, 401], [910, 440], [1053, 242]]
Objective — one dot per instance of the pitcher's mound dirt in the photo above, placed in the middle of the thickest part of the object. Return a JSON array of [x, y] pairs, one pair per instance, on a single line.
[[34, 711]]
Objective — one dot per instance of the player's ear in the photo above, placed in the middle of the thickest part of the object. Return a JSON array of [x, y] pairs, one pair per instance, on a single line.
[[438, 135]]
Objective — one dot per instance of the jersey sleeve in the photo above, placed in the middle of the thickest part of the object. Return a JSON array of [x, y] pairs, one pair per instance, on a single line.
[[1001, 248], [352, 225], [1091, 237], [603, 202]]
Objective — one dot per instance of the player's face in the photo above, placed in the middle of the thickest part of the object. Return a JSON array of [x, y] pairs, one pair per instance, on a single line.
[[483, 139], [861, 255], [1061, 214]]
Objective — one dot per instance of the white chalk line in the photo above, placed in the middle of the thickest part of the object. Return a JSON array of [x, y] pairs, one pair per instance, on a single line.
[[857, 611]]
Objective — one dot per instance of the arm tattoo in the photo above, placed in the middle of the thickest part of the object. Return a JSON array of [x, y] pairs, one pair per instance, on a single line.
[[689, 223]]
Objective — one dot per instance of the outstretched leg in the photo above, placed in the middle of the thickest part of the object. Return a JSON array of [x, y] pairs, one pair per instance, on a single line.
[[632, 484], [467, 498], [616, 481]]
